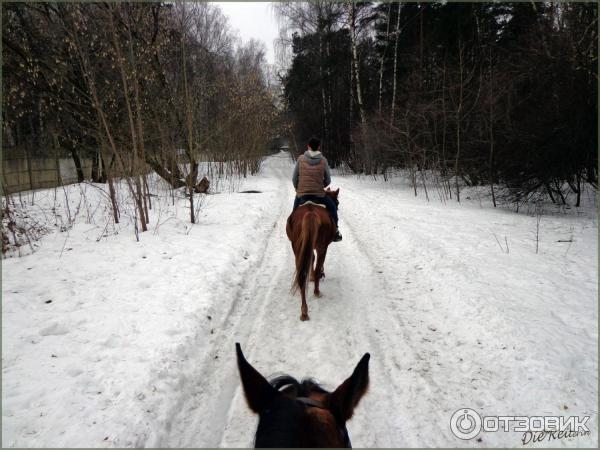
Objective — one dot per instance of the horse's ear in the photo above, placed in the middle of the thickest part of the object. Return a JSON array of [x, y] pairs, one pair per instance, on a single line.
[[345, 398], [337, 191], [258, 392]]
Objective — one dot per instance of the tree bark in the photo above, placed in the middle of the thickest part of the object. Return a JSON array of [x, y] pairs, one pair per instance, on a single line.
[[76, 161], [361, 109], [191, 181], [396, 38], [381, 65], [458, 117], [491, 164], [174, 179], [323, 93], [134, 142]]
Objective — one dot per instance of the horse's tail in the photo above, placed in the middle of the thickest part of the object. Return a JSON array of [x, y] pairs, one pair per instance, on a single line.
[[309, 230]]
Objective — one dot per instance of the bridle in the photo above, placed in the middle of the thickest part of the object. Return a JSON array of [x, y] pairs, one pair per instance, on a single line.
[[317, 404]]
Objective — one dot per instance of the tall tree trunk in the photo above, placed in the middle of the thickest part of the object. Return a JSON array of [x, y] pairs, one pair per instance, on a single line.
[[491, 164], [458, 118], [381, 64], [549, 190], [323, 93], [355, 63], [96, 176], [351, 96], [140, 132], [578, 188], [396, 38], [190, 130], [76, 161], [445, 178], [111, 187], [420, 46], [134, 138], [359, 101], [329, 91], [59, 180]]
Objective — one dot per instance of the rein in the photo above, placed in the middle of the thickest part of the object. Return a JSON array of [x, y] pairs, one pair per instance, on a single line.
[[317, 404]]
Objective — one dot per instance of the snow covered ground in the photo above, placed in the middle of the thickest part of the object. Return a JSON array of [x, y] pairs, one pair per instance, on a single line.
[[109, 342]]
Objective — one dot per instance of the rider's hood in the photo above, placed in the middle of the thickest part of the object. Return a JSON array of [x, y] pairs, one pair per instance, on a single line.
[[313, 157]]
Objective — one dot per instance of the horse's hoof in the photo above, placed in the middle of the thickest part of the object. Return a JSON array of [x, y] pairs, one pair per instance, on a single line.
[[304, 317], [318, 294]]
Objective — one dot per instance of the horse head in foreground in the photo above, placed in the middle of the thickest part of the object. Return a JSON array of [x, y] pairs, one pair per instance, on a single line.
[[301, 414], [311, 230]]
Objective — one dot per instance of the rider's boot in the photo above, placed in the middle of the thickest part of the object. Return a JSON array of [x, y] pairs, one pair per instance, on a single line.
[[338, 236]]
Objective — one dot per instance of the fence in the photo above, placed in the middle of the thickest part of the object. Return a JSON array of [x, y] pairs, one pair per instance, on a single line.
[[21, 174]]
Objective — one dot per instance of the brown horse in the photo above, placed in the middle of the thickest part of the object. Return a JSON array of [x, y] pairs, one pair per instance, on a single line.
[[310, 228], [296, 414]]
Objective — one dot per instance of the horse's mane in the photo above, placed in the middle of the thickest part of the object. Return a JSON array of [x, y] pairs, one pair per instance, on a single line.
[[288, 384], [284, 429]]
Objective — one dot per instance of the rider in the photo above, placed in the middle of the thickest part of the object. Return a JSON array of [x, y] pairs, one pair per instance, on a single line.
[[311, 175]]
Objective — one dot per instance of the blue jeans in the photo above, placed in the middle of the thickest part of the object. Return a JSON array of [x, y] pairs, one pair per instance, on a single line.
[[325, 200]]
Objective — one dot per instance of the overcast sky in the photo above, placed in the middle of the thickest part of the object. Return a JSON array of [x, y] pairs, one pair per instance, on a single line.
[[253, 20]]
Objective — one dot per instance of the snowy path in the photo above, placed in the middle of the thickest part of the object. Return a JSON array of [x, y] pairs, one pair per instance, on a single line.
[[265, 318], [449, 319]]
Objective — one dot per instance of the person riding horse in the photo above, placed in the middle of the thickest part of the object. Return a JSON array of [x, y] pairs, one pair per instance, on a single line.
[[311, 175]]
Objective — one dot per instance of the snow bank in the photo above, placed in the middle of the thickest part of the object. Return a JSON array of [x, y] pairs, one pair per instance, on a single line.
[[110, 342]]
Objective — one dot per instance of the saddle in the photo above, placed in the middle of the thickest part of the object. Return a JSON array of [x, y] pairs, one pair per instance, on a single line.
[[309, 202]]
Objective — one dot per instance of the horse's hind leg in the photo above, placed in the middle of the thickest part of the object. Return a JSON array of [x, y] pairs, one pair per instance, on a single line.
[[321, 253], [304, 307]]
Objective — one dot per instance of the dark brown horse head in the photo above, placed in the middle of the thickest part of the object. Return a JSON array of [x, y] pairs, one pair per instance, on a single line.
[[333, 195], [301, 414]]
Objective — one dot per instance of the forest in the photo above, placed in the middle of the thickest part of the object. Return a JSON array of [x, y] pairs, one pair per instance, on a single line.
[[135, 86], [458, 94], [153, 161], [467, 93]]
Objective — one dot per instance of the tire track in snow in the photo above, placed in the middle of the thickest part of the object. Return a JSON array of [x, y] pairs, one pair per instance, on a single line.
[[362, 284], [466, 349], [401, 355], [416, 378], [347, 321], [419, 316], [357, 313], [200, 413]]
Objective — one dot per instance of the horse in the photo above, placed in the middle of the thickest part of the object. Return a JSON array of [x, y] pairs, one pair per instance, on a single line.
[[302, 414], [310, 228]]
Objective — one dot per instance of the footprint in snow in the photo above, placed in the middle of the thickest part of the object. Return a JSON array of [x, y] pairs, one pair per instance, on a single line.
[[55, 329], [74, 372], [112, 342]]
